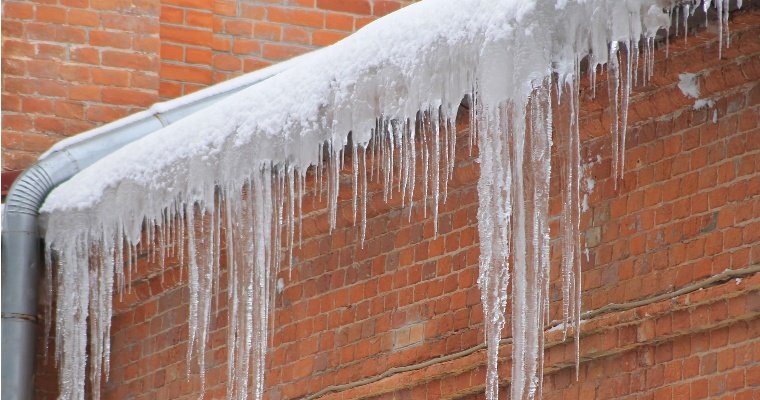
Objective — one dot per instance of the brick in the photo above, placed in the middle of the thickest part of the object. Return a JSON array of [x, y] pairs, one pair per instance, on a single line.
[[50, 14], [74, 73], [119, 40], [66, 109], [48, 124], [172, 52], [263, 30], [14, 67], [12, 29], [16, 122], [238, 27], [75, 3], [184, 73], [70, 35], [361, 22], [27, 141], [172, 15], [226, 62], [341, 22], [40, 31], [326, 38], [244, 46], [198, 56], [199, 19], [85, 55], [252, 11], [11, 103], [144, 80], [196, 37], [85, 92], [381, 8], [349, 6], [281, 52], [297, 17], [127, 60], [199, 4], [18, 10], [82, 17], [225, 7]]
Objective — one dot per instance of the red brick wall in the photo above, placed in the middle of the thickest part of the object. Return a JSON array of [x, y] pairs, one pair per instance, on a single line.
[[204, 42], [71, 65], [688, 209]]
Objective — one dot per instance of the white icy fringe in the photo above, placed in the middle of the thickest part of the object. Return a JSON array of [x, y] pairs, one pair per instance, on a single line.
[[238, 170]]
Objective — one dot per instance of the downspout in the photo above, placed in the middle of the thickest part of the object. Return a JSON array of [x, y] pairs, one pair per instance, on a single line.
[[21, 257]]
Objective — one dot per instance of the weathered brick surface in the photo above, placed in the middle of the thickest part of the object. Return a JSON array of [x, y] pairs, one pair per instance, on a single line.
[[688, 208], [72, 65], [205, 42]]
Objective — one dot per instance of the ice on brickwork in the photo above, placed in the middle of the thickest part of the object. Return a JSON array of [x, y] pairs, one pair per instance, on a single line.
[[702, 103], [382, 100], [688, 85]]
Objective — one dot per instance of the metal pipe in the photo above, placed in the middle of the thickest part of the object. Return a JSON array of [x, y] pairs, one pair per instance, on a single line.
[[20, 226]]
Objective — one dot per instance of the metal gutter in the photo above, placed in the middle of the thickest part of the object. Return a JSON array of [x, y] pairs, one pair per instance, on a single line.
[[21, 256]]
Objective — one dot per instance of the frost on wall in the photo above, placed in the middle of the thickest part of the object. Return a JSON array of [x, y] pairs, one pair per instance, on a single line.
[[239, 169]]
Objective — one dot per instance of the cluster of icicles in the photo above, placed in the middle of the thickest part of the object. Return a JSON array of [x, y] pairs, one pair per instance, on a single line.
[[512, 79]]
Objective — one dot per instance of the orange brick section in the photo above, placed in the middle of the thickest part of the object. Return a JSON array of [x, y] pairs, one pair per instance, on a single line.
[[688, 208], [71, 65], [205, 42]]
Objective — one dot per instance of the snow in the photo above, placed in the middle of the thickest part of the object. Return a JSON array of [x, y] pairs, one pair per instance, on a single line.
[[396, 86], [689, 85], [702, 103]]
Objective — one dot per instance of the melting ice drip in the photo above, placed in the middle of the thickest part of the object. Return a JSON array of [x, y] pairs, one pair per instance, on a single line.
[[239, 170]]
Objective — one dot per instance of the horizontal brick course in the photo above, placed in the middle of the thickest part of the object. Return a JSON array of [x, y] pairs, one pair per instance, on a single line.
[[53, 69]]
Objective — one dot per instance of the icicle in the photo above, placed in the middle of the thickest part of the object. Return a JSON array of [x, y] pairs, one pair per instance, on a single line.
[[667, 33], [425, 128], [719, 6], [364, 196], [396, 133], [193, 283], [571, 175], [635, 53], [626, 95], [292, 177], [355, 181], [613, 87], [677, 19], [686, 14], [494, 220], [436, 189], [391, 159], [726, 10], [412, 134]]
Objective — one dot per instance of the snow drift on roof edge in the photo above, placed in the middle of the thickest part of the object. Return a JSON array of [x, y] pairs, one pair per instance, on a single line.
[[426, 57]]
